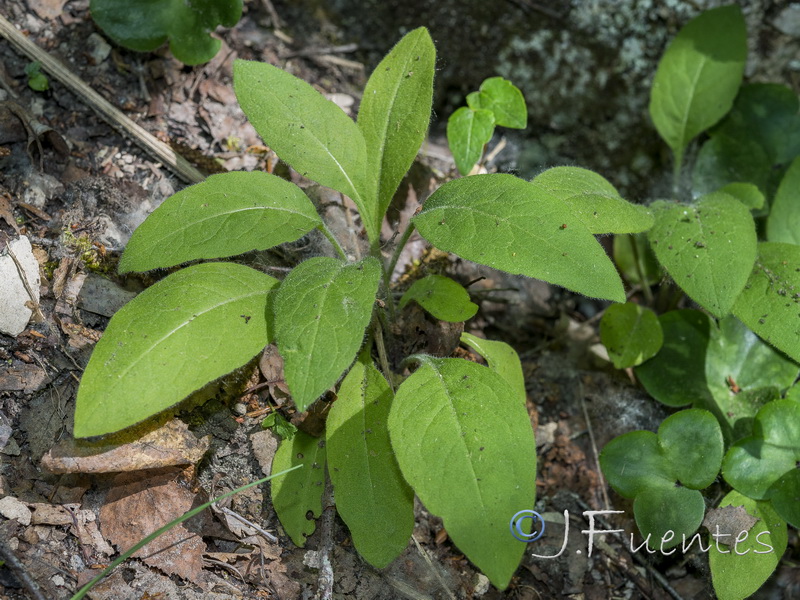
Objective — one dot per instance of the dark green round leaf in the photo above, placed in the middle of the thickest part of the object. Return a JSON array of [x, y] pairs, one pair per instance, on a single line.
[[631, 334], [442, 297], [764, 465], [691, 441], [633, 463], [225, 215], [144, 25], [660, 510]]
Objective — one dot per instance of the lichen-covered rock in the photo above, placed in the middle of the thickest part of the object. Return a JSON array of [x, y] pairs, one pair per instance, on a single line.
[[584, 66]]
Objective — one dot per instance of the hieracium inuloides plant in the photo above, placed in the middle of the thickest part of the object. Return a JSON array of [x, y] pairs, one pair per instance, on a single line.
[[453, 432]]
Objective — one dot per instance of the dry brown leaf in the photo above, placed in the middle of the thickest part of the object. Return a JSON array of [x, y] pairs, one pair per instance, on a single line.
[[170, 445], [138, 506], [731, 520], [271, 365]]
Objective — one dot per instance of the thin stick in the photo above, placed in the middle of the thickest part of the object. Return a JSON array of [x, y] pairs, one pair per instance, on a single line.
[[384, 359], [115, 117], [589, 428], [398, 250], [24, 277], [266, 534], [21, 573]]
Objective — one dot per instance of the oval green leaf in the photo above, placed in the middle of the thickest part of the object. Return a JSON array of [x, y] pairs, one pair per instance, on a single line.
[[692, 443], [225, 215], [307, 131], [144, 25], [186, 330], [395, 111], [770, 301], [764, 465], [507, 223], [442, 297], [468, 131], [321, 311], [299, 492], [631, 334], [746, 193], [594, 200], [738, 569], [372, 497], [783, 224], [708, 248], [501, 358], [632, 463], [465, 444], [698, 76], [666, 515], [504, 99]]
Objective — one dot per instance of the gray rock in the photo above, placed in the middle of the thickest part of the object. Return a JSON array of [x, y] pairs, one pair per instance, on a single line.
[[14, 299]]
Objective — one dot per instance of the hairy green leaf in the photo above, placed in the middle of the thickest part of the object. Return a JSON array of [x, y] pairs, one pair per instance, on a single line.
[[594, 200], [708, 248], [740, 566], [299, 493], [507, 223], [698, 76], [505, 101], [783, 224], [770, 302], [746, 193], [501, 358], [321, 311], [169, 341], [144, 25], [371, 495], [631, 334], [468, 131], [646, 466], [457, 426], [225, 215], [395, 112], [307, 131], [442, 297]]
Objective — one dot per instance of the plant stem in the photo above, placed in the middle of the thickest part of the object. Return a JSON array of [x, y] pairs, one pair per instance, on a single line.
[[648, 293], [332, 239], [676, 175], [398, 250], [130, 552], [384, 359]]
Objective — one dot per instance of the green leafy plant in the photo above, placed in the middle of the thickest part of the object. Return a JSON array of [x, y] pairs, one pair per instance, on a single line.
[[37, 80], [144, 25], [498, 102], [453, 432], [649, 468], [733, 250]]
